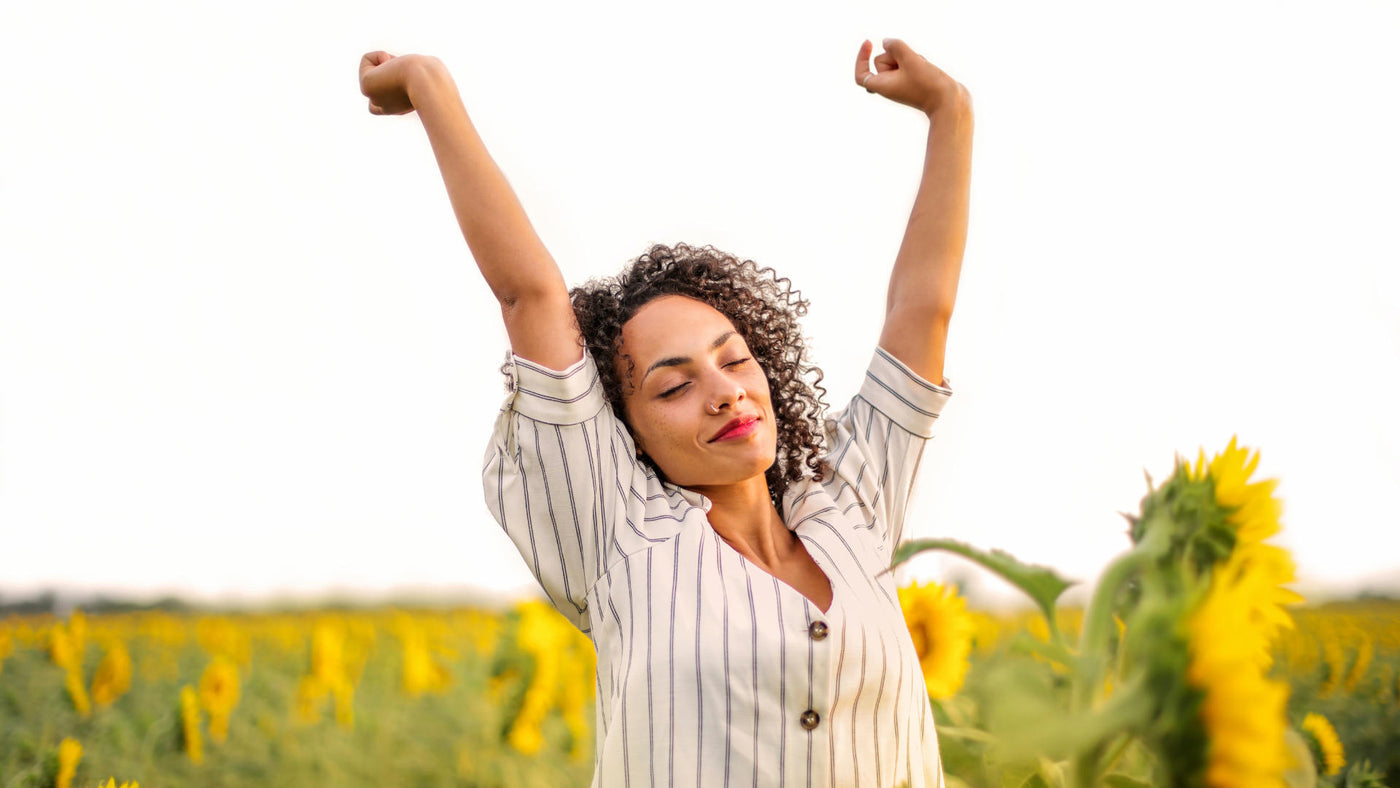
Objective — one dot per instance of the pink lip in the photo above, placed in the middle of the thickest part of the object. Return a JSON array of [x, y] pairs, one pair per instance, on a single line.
[[737, 428]]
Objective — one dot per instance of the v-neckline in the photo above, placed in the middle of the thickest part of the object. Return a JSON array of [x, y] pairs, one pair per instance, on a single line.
[[785, 584], [700, 501]]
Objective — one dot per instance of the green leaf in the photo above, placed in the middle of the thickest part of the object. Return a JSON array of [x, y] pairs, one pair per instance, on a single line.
[[1017, 775], [1120, 780], [1040, 583], [1026, 643], [971, 734]]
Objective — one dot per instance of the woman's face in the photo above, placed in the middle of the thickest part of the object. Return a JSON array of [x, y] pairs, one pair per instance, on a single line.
[[696, 399]]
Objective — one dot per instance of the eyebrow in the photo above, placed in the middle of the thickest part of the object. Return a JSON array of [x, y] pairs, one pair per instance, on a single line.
[[676, 361]]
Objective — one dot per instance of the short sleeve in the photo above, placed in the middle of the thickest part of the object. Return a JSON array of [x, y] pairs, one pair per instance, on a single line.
[[875, 444], [560, 470]]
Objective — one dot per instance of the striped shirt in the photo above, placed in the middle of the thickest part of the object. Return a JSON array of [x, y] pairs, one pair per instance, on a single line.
[[711, 672]]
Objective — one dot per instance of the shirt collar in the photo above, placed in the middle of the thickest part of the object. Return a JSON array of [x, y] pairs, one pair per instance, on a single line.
[[694, 498]]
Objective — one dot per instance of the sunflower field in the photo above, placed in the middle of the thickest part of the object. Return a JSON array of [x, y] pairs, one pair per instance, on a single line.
[[1192, 664]]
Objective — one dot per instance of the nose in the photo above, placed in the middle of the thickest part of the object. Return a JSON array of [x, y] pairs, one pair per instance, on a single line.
[[727, 394]]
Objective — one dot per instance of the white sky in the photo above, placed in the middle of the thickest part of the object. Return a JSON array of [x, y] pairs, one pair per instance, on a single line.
[[243, 350]]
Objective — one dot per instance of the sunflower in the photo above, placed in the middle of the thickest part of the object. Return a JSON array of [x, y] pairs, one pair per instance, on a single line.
[[218, 694], [66, 651], [77, 629], [544, 635], [189, 724], [7, 647], [1258, 573], [1365, 652], [942, 631], [310, 697], [62, 648], [328, 651], [69, 753], [1242, 711], [422, 672], [1254, 511], [221, 637], [1232, 631], [113, 676], [1327, 745]]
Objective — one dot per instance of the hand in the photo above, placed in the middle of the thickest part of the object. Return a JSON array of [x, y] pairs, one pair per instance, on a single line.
[[384, 80], [903, 75]]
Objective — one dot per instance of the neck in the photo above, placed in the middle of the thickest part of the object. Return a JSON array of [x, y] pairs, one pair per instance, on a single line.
[[744, 516]]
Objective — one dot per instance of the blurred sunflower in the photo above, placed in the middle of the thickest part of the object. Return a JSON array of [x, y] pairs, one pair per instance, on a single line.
[[189, 724], [1258, 573], [1327, 747], [7, 647], [112, 783], [1365, 653], [69, 753], [221, 637], [218, 695], [1254, 510], [310, 696], [113, 676], [77, 629], [343, 693], [66, 651], [544, 635], [1242, 712], [942, 631], [1231, 633], [62, 649], [328, 651], [422, 672]]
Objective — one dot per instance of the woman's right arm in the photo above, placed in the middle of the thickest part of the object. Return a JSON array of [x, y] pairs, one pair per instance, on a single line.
[[519, 270]]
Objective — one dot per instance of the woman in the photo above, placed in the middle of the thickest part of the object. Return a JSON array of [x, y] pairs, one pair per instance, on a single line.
[[676, 491]]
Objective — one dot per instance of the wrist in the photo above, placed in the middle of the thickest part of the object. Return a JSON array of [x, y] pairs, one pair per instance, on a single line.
[[424, 78], [948, 98]]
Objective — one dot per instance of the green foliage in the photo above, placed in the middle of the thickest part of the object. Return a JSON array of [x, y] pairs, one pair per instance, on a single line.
[[1040, 583], [453, 738], [1363, 775]]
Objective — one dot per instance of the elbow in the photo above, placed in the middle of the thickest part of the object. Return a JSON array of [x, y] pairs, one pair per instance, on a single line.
[[915, 308]]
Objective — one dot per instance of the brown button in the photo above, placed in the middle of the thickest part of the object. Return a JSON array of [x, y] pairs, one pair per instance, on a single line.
[[818, 630], [810, 719]]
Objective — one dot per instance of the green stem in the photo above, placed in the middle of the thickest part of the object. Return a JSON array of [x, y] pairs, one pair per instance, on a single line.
[[1098, 620], [14, 781], [1086, 773], [1124, 716], [971, 734], [1055, 636], [1116, 752]]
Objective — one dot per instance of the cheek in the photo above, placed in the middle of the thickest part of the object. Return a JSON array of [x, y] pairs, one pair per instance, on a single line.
[[757, 386], [655, 427]]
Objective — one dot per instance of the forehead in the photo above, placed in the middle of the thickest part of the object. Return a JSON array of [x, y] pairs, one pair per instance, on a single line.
[[672, 325]]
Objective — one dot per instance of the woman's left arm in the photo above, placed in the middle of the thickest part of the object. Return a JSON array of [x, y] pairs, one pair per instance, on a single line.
[[924, 282]]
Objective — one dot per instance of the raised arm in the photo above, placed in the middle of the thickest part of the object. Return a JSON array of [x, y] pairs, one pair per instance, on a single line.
[[924, 282], [519, 270]]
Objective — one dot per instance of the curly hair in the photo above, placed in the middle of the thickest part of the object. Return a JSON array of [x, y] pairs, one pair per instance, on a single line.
[[764, 310]]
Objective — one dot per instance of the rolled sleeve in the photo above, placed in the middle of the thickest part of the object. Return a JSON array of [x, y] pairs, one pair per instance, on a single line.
[[568, 396], [558, 475], [902, 396]]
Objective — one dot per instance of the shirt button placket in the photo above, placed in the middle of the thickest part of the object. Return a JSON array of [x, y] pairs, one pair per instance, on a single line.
[[817, 631]]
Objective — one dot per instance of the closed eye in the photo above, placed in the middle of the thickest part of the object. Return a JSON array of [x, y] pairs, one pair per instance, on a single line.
[[737, 362], [673, 390]]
